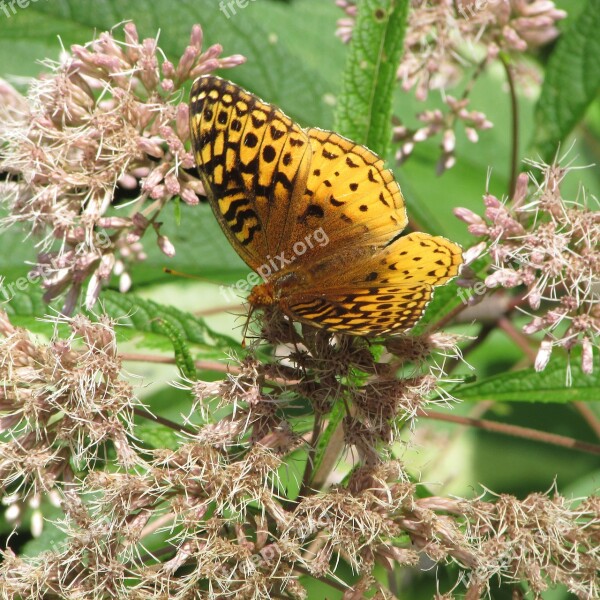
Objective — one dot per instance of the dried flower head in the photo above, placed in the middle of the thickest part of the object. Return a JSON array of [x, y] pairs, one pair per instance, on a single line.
[[110, 116], [215, 508], [66, 401]]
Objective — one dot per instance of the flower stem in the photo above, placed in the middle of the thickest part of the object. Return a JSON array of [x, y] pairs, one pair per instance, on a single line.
[[514, 106]]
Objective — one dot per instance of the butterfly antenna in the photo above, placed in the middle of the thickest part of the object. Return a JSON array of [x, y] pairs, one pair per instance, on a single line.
[[182, 274]]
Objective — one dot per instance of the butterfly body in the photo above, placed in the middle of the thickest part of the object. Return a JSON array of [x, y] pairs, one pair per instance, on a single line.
[[316, 215]]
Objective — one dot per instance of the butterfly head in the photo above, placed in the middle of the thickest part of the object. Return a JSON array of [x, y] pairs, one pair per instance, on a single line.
[[262, 295]]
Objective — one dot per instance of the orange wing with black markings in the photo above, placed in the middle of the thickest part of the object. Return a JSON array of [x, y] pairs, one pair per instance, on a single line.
[[272, 185]]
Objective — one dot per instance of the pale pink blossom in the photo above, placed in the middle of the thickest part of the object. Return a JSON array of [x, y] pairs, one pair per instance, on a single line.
[[71, 150]]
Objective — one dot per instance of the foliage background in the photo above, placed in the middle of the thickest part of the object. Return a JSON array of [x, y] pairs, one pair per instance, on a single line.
[[296, 62]]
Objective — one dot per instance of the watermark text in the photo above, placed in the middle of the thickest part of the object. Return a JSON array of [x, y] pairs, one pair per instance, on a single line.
[[274, 263], [227, 7]]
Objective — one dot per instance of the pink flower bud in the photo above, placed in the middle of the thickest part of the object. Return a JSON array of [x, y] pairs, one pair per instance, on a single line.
[[231, 61], [119, 267], [127, 182], [407, 148], [449, 141], [168, 69], [182, 121], [213, 52], [187, 61], [155, 177], [131, 34], [152, 147], [472, 135], [587, 356], [474, 253], [534, 298], [158, 192], [468, 216], [520, 189], [166, 246], [503, 277], [491, 201], [478, 230], [206, 66], [543, 355], [124, 282], [196, 37], [172, 184], [114, 222], [400, 132], [189, 196], [167, 85], [421, 134]]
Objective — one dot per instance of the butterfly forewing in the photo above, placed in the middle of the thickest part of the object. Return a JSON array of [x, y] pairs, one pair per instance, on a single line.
[[253, 161]]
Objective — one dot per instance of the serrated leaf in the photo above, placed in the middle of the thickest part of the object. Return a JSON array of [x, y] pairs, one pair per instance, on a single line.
[[572, 81], [365, 105], [183, 357], [148, 316], [528, 385], [165, 326], [28, 303]]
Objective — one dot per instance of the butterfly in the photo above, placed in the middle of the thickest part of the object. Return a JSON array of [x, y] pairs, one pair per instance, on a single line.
[[315, 214]]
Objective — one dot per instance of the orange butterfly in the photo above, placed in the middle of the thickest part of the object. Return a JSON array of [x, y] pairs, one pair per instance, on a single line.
[[316, 215]]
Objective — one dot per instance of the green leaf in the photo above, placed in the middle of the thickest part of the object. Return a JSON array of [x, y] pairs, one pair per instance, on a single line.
[[572, 81], [183, 358], [528, 385], [157, 435], [167, 321], [161, 326], [365, 105], [27, 303]]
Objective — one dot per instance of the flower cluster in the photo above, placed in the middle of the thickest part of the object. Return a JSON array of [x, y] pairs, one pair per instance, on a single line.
[[437, 123], [110, 119], [213, 506], [60, 404], [550, 245], [447, 42]]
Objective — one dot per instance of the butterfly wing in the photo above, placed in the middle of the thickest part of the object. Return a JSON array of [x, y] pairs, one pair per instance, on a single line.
[[253, 161], [350, 198], [385, 293], [272, 185]]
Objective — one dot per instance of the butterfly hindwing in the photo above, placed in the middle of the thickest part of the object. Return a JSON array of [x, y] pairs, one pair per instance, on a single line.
[[384, 293]]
